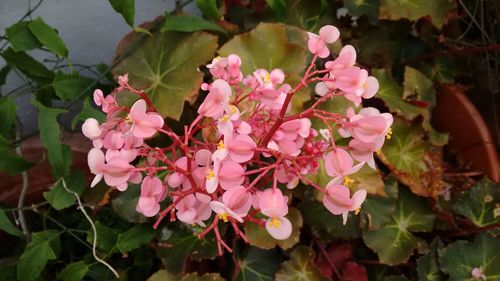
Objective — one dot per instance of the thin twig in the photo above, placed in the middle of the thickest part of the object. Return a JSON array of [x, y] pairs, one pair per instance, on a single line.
[[22, 195], [94, 230]]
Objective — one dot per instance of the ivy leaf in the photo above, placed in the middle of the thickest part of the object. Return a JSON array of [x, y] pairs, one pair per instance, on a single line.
[[358, 8], [257, 264], [209, 9], [394, 241], [8, 117], [184, 242], [279, 8], [12, 163], [438, 10], [7, 226], [480, 204], [50, 135], [259, 237], [59, 198], [69, 86], [461, 257], [428, 267], [126, 8], [135, 237], [37, 253], [186, 23], [26, 64], [73, 271], [21, 38], [165, 66], [3, 74], [413, 160], [88, 111], [270, 46], [300, 267], [48, 37], [327, 226]]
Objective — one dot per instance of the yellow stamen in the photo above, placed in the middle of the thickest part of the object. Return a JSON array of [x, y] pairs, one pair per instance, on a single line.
[[224, 216], [378, 151], [233, 109], [275, 222], [221, 145], [217, 59], [347, 181], [364, 86], [128, 119], [389, 134], [356, 211], [224, 118], [267, 78], [210, 174]]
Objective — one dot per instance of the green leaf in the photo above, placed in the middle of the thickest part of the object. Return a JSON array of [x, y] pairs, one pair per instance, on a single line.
[[413, 160], [428, 267], [300, 267], [28, 65], [394, 241], [480, 204], [88, 111], [209, 9], [257, 264], [417, 84], [135, 237], [461, 257], [369, 180], [68, 86], [124, 205], [8, 117], [186, 23], [377, 211], [59, 198], [12, 163], [48, 37], [126, 8], [73, 271], [7, 226], [163, 275], [205, 277], [3, 74], [50, 134], [106, 237], [165, 66], [270, 46], [36, 255], [21, 38], [327, 226], [184, 242], [259, 236], [415, 9], [358, 8], [279, 8]]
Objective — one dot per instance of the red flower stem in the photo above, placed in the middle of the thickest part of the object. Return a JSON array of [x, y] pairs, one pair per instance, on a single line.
[[209, 228]]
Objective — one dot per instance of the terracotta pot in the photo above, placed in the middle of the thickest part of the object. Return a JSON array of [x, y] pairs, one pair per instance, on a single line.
[[469, 134], [40, 176]]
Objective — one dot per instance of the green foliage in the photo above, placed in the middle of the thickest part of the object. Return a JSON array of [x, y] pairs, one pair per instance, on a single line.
[[300, 267], [278, 7], [461, 257], [189, 24], [427, 265], [48, 37], [43, 247], [7, 226], [257, 264], [414, 9], [11, 162], [480, 204], [21, 38], [394, 242], [165, 65], [209, 9], [363, 7], [8, 117], [134, 237], [88, 111], [73, 271], [259, 237], [27, 65], [126, 8], [59, 197], [69, 87]]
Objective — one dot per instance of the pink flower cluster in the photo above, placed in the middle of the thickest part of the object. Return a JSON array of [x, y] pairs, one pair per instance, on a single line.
[[244, 147]]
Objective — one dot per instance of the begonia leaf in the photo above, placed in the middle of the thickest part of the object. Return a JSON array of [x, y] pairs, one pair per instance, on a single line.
[[438, 10], [358, 8], [460, 258], [480, 204], [300, 267], [166, 67], [394, 241], [257, 264], [428, 266], [259, 237]]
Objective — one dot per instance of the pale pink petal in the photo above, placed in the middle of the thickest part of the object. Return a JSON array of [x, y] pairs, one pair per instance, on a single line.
[[91, 129], [329, 33], [95, 159], [280, 230]]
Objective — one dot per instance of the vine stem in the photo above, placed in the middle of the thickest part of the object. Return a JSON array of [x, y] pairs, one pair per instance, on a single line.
[[22, 195], [94, 230]]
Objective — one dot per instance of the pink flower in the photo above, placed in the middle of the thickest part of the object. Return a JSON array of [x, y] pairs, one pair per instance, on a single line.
[[194, 209], [91, 129], [240, 148], [145, 124], [273, 204], [176, 179], [116, 171], [346, 58], [339, 163], [477, 273], [152, 192], [338, 201], [238, 199], [227, 173], [363, 151], [351, 80], [224, 211], [289, 138], [108, 103], [317, 44], [217, 100]]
